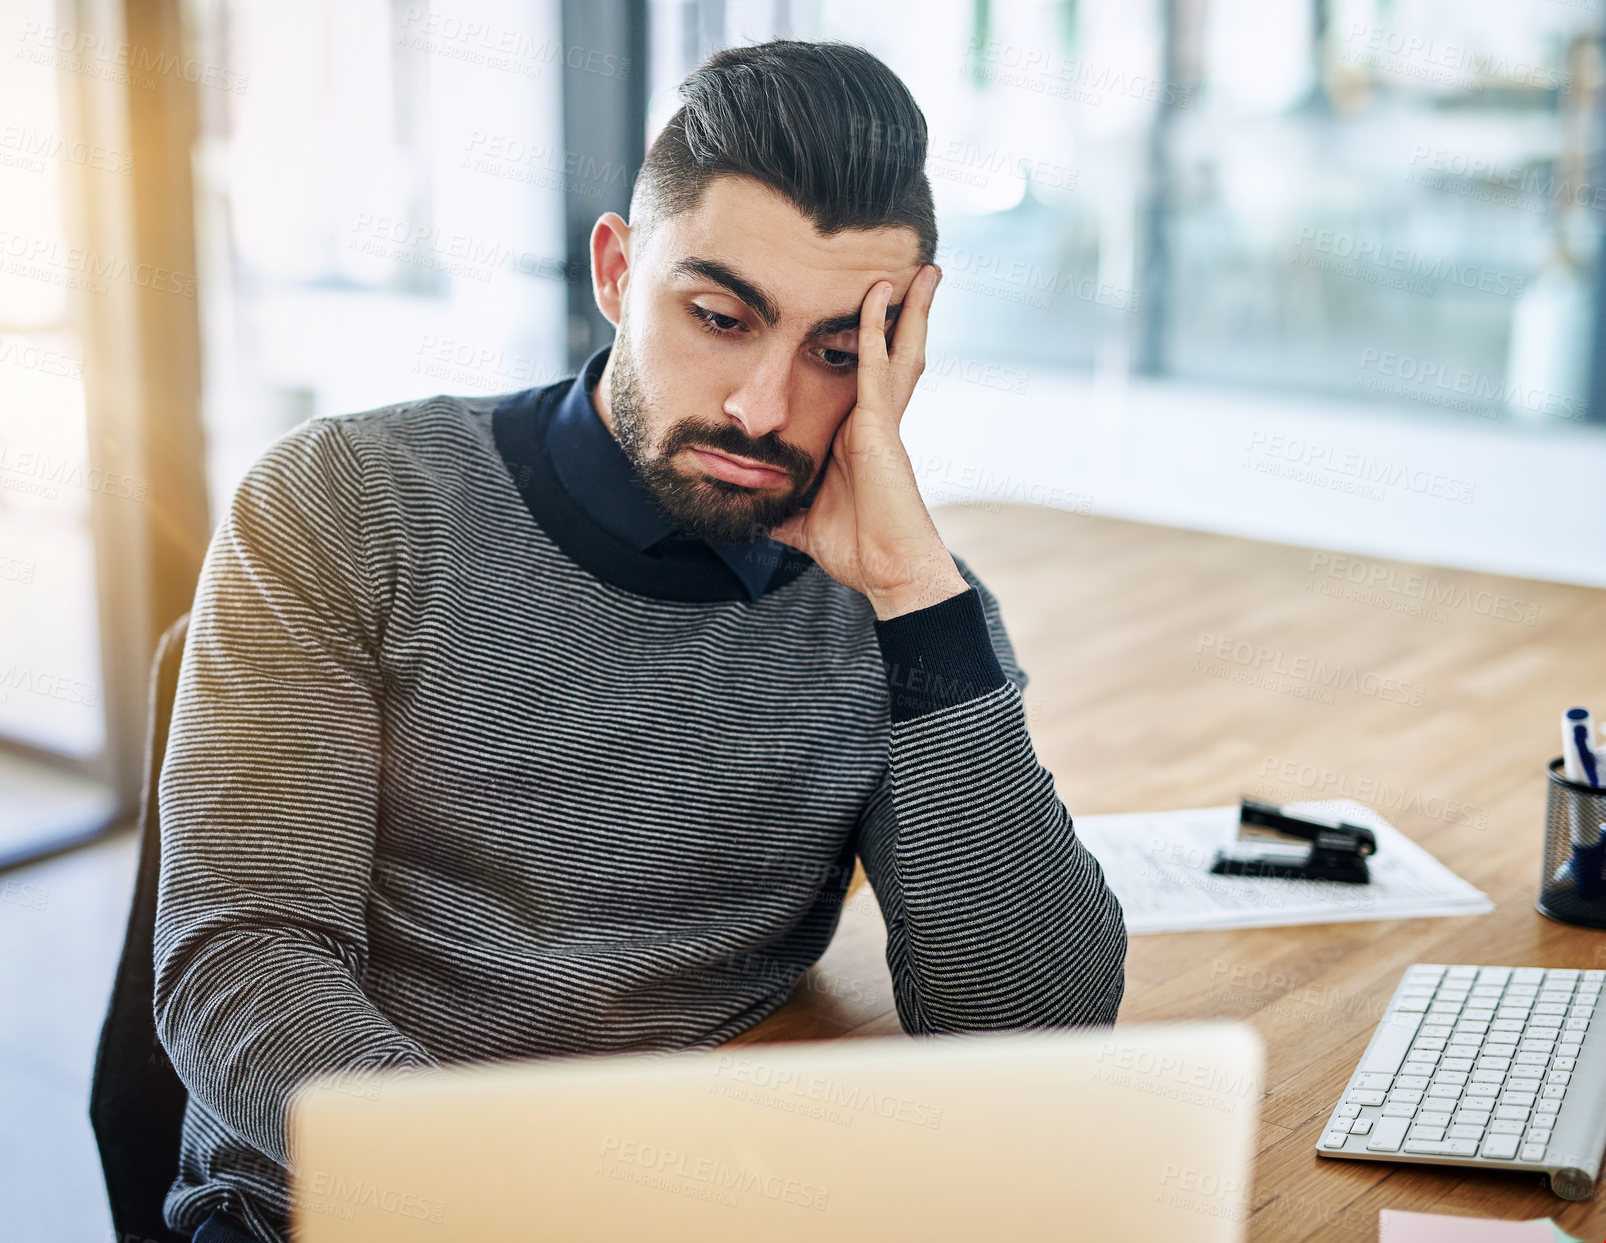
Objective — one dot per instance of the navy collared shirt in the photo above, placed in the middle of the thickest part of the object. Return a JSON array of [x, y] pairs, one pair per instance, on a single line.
[[600, 479]]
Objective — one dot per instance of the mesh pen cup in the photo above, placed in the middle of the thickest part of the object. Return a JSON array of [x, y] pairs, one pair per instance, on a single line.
[[1572, 886]]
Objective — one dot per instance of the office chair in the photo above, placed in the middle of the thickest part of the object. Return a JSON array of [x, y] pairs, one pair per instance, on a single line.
[[136, 1099]]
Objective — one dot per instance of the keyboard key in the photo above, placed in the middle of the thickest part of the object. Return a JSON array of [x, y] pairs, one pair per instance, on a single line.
[[1454, 1063], [1518, 1113], [1433, 1117], [1549, 1105], [1563, 1064], [1374, 1082], [1387, 1135], [1553, 1091], [1532, 1152], [1523, 1100], [1500, 1147], [1550, 1007], [1493, 975], [1426, 1132], [1443, 1148], [1559, 1076], [1334, 1139], [1479, 1076], [1411, 1081], [1404, 1096], [1407, 1111], [1363, 1097], [1505, 1128], [1360, 1126], [1349, 1111], [1464, 1130], [1532, 1059]]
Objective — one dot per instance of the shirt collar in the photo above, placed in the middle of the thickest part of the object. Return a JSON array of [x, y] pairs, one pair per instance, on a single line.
[[600, 479]]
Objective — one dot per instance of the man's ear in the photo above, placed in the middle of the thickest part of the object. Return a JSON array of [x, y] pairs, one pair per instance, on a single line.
[[610, 265]]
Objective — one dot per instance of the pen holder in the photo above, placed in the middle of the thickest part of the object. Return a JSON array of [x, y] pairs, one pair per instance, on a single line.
[[1572, 886]]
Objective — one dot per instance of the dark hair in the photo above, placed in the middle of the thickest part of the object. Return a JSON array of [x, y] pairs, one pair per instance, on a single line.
[[827, 125]]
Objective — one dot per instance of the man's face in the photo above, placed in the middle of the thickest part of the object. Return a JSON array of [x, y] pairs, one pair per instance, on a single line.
[[738, 338]]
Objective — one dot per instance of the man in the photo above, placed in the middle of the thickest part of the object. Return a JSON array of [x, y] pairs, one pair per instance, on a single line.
[[504, 730]]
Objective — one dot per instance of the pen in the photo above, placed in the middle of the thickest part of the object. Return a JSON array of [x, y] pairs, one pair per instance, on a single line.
[[1579, 753], [1588, 835]]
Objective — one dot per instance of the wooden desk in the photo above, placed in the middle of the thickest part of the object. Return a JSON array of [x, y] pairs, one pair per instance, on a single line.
[[1109, 620]]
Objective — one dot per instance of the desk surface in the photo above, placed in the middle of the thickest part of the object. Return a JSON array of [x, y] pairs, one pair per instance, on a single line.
[[1109, 619]]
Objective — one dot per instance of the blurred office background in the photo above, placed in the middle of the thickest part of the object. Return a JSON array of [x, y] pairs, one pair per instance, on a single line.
[[1316, 271]]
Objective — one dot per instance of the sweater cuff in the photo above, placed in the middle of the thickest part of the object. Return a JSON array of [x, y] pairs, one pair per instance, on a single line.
[[938, 656]]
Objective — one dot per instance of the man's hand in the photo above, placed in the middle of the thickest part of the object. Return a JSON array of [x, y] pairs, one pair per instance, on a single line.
[[868, 527]]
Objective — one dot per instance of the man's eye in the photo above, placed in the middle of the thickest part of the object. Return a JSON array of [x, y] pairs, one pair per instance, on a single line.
[[839, 360], [714, 321]]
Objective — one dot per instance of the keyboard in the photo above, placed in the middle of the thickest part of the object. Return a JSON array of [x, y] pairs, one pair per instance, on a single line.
[[1491, 1067]]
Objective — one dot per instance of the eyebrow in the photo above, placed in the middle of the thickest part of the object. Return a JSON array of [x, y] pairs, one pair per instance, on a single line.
[[762, 305]]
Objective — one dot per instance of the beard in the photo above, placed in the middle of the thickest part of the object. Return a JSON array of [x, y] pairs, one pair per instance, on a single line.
[[693, 502]]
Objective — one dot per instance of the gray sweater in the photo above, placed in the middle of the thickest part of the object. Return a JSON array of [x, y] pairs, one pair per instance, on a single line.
[[448, 779]]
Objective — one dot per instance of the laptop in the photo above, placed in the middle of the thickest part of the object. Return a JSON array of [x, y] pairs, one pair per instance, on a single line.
[[1141, 1132]]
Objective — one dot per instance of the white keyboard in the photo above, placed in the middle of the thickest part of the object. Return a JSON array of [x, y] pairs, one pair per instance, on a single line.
[[1500, 1067]]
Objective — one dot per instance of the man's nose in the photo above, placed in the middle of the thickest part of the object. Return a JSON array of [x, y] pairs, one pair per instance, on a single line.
[[762, 401]]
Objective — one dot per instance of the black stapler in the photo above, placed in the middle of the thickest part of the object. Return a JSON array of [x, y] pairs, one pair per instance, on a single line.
[[1303, 847]]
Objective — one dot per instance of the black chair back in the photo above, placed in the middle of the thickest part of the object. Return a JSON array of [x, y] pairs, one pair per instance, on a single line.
[[136, 1099]]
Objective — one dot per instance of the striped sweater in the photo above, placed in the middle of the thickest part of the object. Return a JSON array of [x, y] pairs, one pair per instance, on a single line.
[[450, 778]]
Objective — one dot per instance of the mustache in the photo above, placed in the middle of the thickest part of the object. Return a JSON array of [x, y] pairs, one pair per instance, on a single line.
[[768, 450]]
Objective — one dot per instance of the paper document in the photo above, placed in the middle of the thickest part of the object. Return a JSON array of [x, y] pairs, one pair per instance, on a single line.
[[1158, 865], [1397, 1227]]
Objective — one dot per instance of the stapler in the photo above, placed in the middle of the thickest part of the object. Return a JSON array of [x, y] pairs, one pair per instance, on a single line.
[[1303, 847]]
